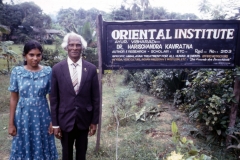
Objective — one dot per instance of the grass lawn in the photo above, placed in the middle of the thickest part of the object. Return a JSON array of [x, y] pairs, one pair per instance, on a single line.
[[147, 139]]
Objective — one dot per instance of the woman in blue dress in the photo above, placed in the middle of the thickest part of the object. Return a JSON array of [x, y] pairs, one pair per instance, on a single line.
[[29, 119]]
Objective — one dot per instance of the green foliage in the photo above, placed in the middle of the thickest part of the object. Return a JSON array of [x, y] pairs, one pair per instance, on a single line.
[[176, 81], [237, 72], [160, 83], [4, 93], [7, 53], [4, 137], [52, 56], [236, 138], [90, 54], [140, 79], [11, 15], [138, 140], [86, 32], [234, 133], [23, 15], [121, 14], [73, 20], [225, 10], [207, 98], [33, 16], [137, 147], [187, 147], [143, 11], [175, 133], [4, 30]]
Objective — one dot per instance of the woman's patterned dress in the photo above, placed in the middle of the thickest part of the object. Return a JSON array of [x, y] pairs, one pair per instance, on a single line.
[[32, 116]]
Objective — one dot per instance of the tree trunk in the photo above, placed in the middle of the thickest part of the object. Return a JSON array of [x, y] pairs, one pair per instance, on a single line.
[[234, 109]]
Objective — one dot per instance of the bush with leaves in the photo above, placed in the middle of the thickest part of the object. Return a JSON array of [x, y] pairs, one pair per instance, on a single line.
[[167, 82], [53, 56], [139, 79], [162, 83], [234, 132], [185, 149], [7, 53], [90, 54], [208, 98], [50, 57]]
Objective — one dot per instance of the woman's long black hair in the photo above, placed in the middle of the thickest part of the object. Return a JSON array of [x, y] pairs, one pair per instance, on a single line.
[[32, 44]]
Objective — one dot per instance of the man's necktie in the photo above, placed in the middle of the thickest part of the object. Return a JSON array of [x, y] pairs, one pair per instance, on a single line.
[[75, 78]]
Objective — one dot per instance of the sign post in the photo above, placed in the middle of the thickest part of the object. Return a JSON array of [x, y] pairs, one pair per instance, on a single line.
[[99, 37], [169, 44]]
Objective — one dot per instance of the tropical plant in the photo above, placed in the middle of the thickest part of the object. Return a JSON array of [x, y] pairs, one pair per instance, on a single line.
[[88, 33], [7, 53], [52, 56], [4, 30], [185, 148]]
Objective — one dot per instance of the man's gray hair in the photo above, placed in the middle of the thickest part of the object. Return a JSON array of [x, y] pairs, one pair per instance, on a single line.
[[65, 40]]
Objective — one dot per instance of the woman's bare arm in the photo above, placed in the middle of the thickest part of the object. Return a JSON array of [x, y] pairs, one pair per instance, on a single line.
[[13, 104]]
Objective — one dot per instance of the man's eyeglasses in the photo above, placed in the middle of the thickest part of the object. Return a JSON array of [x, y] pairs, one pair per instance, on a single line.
[[74, 45]]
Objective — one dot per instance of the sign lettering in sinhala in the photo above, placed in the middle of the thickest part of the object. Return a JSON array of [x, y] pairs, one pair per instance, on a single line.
[[171, 44]]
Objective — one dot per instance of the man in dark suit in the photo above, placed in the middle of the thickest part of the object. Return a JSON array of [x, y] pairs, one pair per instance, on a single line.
[[74, 99]]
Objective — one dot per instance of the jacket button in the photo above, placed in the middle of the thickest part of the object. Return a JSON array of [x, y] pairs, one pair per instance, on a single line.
[[76, 107]]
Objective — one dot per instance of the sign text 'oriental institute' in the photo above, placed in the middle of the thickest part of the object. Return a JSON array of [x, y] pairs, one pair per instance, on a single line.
[[171, 44]]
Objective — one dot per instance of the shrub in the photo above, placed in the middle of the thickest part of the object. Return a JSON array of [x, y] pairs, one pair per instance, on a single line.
[[168, 82], [208, 98], [162, 83], [91, 56]]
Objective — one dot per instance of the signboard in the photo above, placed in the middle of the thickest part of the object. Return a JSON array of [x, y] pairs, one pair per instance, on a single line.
[[171, 44]]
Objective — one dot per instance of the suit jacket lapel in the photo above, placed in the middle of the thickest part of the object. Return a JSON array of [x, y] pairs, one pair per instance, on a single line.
[[84, 75], [66, 74]]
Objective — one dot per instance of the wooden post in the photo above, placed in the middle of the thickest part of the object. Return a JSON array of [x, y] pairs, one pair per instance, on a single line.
[[234, 109], [99, 40]]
